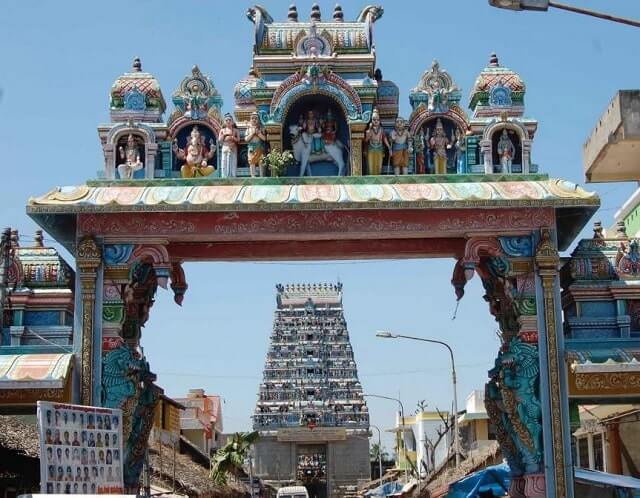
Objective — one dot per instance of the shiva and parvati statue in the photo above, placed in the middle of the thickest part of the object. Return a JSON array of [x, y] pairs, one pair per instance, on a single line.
[[314, 139], [196, 155]]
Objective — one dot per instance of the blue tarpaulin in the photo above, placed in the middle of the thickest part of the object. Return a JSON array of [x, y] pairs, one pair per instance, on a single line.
[[494, 479], [386, 489]]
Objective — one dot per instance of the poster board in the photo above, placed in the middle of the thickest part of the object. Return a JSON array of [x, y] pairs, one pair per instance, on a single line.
[[80, 449]]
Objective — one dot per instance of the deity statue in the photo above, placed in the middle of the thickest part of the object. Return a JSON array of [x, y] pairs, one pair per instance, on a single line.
[[131, 157], [312, 133], [255, 137], [418, 145], [400, 148], [229, 137], [439, 144], [329, 129], [195, 155], [460, 145], [506, 151], [376, 140]]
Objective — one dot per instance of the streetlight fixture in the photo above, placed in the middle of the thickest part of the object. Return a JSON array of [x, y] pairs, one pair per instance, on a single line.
[[543, 5], [456, 434], [379, 451], [404, 446]]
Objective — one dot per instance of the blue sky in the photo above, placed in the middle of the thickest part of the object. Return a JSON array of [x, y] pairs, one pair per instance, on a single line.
[[58, 61]]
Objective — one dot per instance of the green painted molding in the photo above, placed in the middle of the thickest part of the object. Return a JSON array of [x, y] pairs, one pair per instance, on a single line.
[[319, 180]]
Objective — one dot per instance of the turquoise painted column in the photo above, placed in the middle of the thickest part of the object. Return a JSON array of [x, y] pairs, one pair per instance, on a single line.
[[553, 377]]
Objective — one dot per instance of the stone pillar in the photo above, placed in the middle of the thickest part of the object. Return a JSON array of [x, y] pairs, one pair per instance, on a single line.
[[150, 160], [614, 455], [553, 391], [357, 136], [274, 136], [88, 259], [486, 153], [109, 161], [526, 156]]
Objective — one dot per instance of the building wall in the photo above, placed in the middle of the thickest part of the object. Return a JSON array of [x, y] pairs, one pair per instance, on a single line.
[[274, 460], [630, 438]]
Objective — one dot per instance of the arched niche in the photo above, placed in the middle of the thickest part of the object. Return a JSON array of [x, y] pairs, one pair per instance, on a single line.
[[428, 130], [500, 146], [331, 141], [124, 153], [180, 140]]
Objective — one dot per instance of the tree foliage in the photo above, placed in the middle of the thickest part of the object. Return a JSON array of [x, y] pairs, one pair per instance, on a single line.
[[229, 459]]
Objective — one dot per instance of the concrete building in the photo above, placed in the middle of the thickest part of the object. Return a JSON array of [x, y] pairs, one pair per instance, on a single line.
[[311, 415], [201, 420]]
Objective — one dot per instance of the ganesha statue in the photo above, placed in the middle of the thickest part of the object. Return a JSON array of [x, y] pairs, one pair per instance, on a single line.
[[196, 155]]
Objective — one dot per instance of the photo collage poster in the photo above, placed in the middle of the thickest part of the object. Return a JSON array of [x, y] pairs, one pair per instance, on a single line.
[[80, 449]]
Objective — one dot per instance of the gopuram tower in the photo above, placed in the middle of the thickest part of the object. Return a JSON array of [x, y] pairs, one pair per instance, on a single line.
[[310, 413]]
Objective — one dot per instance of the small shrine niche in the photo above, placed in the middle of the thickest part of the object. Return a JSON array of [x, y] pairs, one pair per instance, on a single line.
[[130, 156], [506, 148], [440, 138], [194, 151], [317, 131]]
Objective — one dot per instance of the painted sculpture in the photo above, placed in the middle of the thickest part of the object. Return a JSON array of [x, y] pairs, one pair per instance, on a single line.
[[460, 146], [439, 144], [255, 137], [314, 139], [195, 155], [376, 141], [130, 155], [506, 151], [229, 137], [400, 148]]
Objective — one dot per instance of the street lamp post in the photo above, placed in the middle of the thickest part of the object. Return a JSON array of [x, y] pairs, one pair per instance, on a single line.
[[379, 451], [456, 433], [404, 446], [543, 5]]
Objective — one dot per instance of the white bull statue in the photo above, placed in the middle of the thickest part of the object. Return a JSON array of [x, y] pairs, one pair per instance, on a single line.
[[301, 144]]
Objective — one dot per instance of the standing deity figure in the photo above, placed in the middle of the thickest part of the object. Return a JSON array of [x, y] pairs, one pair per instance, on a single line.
[[400, 148], [506, 151], [376, 140], [418, 145], [255, 138], [195, 155], [460, 145], [329, 130], [131, 157], [439, 144], [229, 137], [312, 133]]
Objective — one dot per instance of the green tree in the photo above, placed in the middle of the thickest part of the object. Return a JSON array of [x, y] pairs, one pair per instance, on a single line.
[[376, 451], [229, 459]]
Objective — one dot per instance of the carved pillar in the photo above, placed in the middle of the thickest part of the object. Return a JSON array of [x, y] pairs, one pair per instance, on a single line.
[[558, 468], [486, 153], [274, 136], [150, 160], [88, 259], [109, 161], [357, 136], [526, 156]]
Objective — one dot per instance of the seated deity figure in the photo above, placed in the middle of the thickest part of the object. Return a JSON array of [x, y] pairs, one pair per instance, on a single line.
[[195, 155], [400, 148], [312, 133], [376, 140], [131, 157], [439, 144], [255, 138], [229, 137], [461, 151], [506, 151]]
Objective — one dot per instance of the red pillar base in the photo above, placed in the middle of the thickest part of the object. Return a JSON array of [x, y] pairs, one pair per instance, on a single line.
[[528, 486]]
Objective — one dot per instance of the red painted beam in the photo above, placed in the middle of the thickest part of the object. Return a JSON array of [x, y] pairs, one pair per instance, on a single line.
[[317, 250]]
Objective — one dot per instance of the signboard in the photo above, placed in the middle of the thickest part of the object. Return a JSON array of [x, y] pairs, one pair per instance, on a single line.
[[80, 449], [308, 435]]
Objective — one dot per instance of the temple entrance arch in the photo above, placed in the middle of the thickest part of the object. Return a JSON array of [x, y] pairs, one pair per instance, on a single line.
[[507, 232], [316, 129]]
